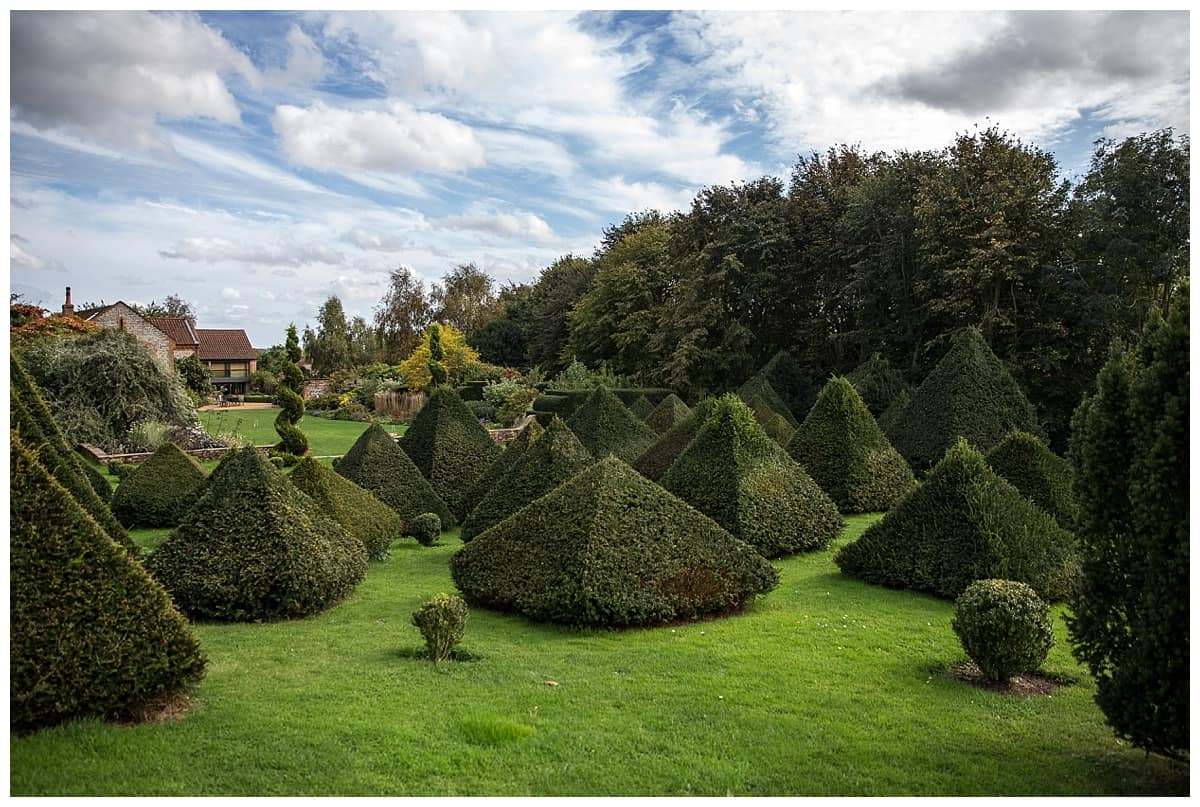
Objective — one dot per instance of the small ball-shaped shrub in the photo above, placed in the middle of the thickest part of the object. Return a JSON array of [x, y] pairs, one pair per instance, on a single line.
[[442, 620], [426, 528], [1004, 627]]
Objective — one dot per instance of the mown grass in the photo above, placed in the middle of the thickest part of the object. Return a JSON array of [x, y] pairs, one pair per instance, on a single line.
[[326, 438], [825, 686]]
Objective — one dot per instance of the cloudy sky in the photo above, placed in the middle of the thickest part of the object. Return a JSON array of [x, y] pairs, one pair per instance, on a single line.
[[255, 163]]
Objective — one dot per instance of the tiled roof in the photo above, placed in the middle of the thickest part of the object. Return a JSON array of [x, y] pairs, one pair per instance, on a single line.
[[179, 329], [223, 344]]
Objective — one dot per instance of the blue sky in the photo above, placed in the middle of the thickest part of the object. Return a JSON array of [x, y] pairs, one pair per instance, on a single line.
[[255, 163]]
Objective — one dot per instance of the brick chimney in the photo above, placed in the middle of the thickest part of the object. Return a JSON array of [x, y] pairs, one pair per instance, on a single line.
[[68, 308]]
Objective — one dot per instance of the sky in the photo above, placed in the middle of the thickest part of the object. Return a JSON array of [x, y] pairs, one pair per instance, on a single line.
[[256, 163]]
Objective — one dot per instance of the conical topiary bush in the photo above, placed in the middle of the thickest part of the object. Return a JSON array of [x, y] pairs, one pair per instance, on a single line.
[[451, 449], [655, 460], [554, 458], [1036, 471], [496, 473], [842, 448], [877, 382], [758, 388], [609, 548], [90, 634], [968, 394], [31, 418], [254, 547], [160, 490], [369, 520], [774, 424], [963, 523], [642, 408], [891, 415], [669, 411], [795, 386], [738, 476], [606, 426], [379, 466]]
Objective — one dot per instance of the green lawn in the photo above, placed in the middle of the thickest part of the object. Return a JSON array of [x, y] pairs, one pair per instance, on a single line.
[[326, 437], [825, 686]]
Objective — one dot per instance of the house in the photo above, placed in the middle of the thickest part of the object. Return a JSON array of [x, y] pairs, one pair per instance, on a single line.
[[226, 352]]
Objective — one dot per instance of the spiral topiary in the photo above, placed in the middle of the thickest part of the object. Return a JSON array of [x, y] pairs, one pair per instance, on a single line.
[[293, 443]]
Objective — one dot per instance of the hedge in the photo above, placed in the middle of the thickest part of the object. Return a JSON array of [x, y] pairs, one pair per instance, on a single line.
[[564, 402], [31, 418], [841, 446], [964, 523], [759, 388], [254, 547], [642, 408], [554, 458], [968, 394], [669, 411], [605, 425], [496, 473], [738, 476], [655, 460], [159, 491], [90, 634], [774, 424], [379, 466], [1036, 471], [878, 383], [891, 415], [451, 449], [795, 386], [369, 520], [608, 548]]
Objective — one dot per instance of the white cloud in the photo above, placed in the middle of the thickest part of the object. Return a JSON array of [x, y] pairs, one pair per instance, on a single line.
[[19, 259], [399, 139], [305, 64], [507, 225], [110, 76], [376, 242], [228, 293], [213, 250]]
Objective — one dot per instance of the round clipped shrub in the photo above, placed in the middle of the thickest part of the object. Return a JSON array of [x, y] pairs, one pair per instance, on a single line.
[[1004, 626], [442, 619], [161, 491], [426, 528]]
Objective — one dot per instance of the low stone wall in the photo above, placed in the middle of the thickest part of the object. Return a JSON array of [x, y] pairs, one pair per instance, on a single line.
[[139, 458]]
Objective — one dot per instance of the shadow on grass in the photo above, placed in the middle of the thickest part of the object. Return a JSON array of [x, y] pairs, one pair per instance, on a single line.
[[421, 654]]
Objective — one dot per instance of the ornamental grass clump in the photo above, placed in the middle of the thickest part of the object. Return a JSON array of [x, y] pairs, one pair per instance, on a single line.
[[160, 491], [426, 528], [606, 426], [376, 464], [1004, 627], [369, 520], [449, 447], [842, 448], [442, 620], [90, 634], [609, 548]]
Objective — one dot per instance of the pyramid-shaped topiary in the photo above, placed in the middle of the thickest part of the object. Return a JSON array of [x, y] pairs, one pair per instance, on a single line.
[[31, 418], [609, 548], [556, 457], [446, 442], [738, 476], [758, 388], [963, 523], [669, 411], [795, 386], [369, 520], [1036, 471], [774, 424], [606, 426], [891, 415], [842, 448], [655, 460], [255, 547], [642, 408], [160, 491], [968, 394], [379, 466], [496, 473], [90, 634], [877, 382]]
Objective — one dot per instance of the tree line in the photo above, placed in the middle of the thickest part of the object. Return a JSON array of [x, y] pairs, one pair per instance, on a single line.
[[856, 253]]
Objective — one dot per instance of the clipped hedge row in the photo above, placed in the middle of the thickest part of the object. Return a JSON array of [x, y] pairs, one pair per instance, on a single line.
[[255, 547], [841, 446], [964, 523], [90, 634], [159, 491], [738, 476], [608, 548], [451, 449], [379, 466], [369, 520]]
